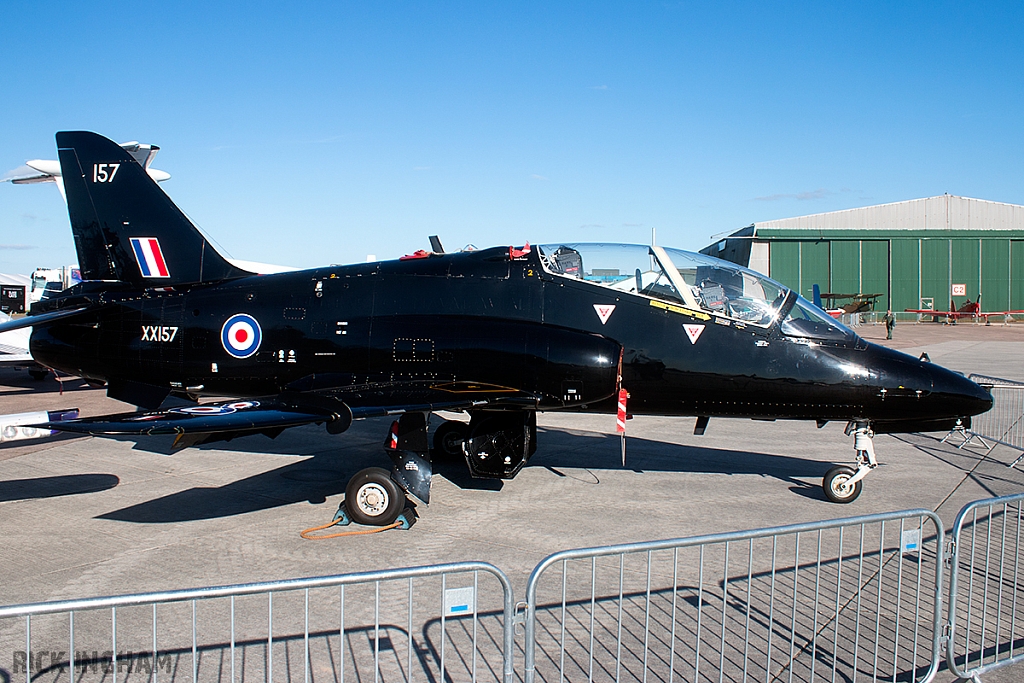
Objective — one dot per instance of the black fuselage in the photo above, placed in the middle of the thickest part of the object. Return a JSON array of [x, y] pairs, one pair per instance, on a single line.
[[489, 321]]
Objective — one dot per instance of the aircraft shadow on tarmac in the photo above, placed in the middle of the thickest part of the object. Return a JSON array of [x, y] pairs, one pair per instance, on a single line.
[[51, 487], [988, 469], [563, 452]]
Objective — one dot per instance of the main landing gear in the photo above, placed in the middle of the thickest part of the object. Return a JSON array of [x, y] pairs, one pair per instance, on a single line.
[[843, 484], [377, 497], [494, 445], [373, 498], [448, 439]]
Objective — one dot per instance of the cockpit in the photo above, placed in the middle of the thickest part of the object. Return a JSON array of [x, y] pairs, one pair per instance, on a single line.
[[692, 281]]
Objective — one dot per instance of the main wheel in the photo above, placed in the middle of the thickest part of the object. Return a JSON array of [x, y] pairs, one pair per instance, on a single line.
[[448, 438], [837, 487], [38, 375], [373, 498]]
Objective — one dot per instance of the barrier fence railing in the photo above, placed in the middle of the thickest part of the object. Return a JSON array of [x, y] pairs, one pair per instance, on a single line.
[[847, 599], [1004, 423], [836, 600], [985, 626], [360, 627]]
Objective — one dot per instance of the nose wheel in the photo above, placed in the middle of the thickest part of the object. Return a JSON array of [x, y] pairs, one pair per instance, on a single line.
[[837, 486], [843, 484]]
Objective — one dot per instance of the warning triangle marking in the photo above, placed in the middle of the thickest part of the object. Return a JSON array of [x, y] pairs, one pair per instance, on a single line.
[[604, 311], [693, 332]]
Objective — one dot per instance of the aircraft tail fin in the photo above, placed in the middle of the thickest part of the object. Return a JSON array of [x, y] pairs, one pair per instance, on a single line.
[[125, 227]]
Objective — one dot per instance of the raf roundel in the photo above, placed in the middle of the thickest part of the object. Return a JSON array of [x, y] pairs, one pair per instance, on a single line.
[[241, 335]]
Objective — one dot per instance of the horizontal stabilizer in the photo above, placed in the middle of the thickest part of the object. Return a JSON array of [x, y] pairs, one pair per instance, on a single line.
[[41, 319], [247, 416]]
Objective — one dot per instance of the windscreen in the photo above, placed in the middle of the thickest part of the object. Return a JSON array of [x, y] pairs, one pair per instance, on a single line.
[[807, 320]]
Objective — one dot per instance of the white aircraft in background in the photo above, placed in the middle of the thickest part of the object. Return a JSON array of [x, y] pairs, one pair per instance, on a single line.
[[48, 170], [14, 351]]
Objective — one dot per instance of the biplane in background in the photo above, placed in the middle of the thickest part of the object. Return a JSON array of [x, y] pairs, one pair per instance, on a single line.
[[858, 303]]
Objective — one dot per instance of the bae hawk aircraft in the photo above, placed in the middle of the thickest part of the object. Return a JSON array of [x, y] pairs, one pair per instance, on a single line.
[[498, 333]]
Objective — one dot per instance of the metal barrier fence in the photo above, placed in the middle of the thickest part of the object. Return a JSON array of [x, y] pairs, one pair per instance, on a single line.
[[836, 600], [358, 627], [985, 594], [844, 599], [1004, 424]]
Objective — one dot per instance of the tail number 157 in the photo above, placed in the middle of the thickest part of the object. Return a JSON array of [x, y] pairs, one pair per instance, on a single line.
[[104, 173]]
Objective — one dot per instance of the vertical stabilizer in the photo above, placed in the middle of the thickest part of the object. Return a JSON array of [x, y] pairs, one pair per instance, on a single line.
[[125, 227]]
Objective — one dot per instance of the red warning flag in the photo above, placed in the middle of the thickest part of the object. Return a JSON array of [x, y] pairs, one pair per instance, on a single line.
[[620, 420]]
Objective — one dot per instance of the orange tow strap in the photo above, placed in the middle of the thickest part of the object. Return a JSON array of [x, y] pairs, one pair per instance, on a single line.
[[359, 532]]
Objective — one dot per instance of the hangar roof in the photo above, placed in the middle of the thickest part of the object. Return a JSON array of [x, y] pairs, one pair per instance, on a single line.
[[11, 279], [943, 213]]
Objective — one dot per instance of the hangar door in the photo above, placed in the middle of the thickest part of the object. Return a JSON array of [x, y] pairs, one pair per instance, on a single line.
[[840, 266], [906, 270], [800, 265], [861, 267], [1017, 275], [935, 271], [995, 275]]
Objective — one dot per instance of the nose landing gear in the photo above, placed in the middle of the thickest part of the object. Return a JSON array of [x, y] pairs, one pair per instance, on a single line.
[[843, 484]]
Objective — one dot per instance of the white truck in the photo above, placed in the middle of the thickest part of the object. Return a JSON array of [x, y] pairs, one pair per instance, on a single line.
[[48, 281]]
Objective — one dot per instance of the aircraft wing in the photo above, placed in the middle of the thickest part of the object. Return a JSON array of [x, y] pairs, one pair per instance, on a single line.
[[14, 346], [236, 416], [928, 311], [960, 314], [226, 420], [13, 357]]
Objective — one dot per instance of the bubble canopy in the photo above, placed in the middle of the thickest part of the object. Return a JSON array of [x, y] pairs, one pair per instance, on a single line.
[[693, 281]]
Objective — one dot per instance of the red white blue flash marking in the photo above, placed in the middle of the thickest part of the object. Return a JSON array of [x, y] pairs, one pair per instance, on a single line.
[[150, 257]]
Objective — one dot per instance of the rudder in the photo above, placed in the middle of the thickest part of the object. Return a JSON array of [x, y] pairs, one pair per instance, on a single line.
[[125, 227]]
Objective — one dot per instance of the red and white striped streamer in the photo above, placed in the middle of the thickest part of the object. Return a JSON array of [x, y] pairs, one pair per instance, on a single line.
[[620, 420]]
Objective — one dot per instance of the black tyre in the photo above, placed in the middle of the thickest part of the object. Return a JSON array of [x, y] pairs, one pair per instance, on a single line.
[[448, 438], [373, 498], [38, 375], [836, 485]]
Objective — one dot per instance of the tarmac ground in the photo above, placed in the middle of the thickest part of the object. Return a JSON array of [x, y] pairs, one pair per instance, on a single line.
[[85, 516]]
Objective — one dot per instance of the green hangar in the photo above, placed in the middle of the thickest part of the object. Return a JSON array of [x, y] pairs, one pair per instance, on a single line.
[[920, 253]]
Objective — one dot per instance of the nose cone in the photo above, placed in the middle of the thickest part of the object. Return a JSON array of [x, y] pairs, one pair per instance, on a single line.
[[934, 392], [960, 396]]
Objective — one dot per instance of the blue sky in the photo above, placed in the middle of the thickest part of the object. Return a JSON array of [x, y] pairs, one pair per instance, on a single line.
[[313, 133]]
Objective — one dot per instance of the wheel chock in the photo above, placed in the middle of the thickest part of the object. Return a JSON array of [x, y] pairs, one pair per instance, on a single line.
[[341, 517], [405, 519]]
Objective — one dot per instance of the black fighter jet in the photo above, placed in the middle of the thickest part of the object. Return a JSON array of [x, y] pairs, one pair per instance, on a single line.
[[498, 333]]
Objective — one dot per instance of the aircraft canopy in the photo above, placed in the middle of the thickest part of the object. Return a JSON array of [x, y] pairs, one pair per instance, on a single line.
[[690, 280]]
